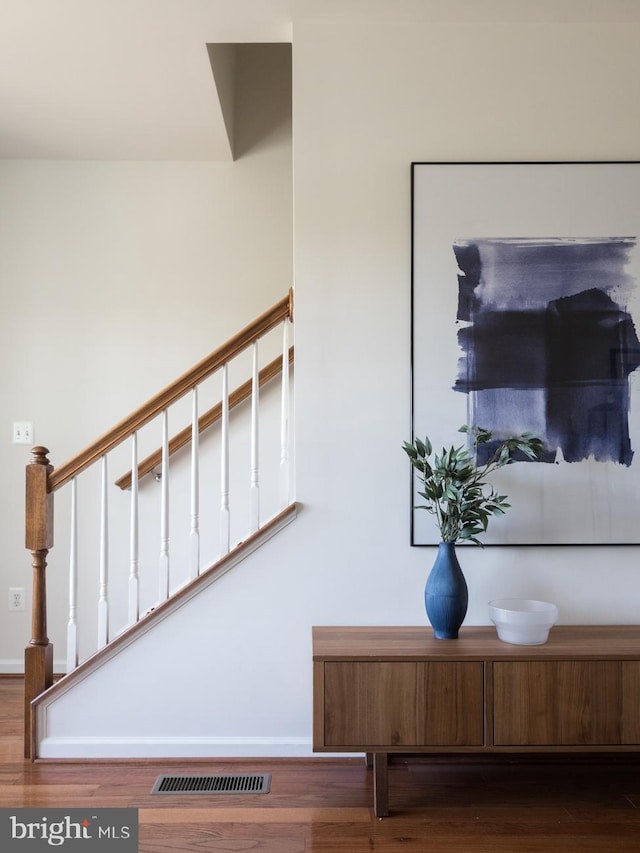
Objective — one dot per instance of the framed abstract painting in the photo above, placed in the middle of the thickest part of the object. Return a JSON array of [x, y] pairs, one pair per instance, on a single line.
[[525, 317]]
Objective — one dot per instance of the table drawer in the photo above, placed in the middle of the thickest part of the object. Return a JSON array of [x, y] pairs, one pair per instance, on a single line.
[[403, 704]]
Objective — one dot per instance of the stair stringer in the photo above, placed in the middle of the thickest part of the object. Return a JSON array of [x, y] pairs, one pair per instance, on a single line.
[[89, 667]]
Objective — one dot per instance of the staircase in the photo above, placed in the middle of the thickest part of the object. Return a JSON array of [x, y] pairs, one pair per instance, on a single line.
[[165, 566]]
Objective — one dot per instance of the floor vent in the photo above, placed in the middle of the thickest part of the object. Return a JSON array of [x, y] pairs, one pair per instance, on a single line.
[[220, 783]]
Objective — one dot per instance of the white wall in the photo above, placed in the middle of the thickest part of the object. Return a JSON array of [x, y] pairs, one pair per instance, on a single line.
[[116, 277], [374, 89], [397, 90]]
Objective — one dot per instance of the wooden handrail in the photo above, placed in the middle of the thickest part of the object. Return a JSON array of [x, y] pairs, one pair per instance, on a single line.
[[206, 420], [282, 310]]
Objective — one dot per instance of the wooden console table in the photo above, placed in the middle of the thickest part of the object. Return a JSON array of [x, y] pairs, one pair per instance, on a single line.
[[399, 690]]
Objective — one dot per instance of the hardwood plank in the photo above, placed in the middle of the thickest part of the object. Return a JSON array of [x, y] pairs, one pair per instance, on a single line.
[[248, 815]]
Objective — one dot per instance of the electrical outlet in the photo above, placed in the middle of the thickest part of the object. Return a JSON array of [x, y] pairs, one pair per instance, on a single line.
[[22, 432], [16, 598]]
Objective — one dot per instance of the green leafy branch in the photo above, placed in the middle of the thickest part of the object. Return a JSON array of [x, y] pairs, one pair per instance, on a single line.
[[454, 486]]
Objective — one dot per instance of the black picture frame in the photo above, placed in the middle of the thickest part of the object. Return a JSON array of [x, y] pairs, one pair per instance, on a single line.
[[509, 243]]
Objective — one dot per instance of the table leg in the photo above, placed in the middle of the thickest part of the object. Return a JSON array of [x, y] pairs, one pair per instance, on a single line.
[[380, 784]]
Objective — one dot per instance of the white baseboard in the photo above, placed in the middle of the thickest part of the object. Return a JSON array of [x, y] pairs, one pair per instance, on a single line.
[[215, 747], [12, 667], [16, 667]]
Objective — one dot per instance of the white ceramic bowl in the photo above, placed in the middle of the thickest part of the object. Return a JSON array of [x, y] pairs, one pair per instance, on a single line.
[[523, 621]]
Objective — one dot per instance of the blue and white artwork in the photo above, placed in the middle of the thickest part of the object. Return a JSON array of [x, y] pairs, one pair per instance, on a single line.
[[526, 317], [546, 336]]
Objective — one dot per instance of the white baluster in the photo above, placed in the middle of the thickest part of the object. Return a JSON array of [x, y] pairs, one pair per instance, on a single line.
[[103, 600], [134, 580], [194, 536], [225, 516], [284, 420], [72, 625], [164, 512], [254, 488]]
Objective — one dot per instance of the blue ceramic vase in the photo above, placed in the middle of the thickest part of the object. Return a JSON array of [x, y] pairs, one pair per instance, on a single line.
[[446, 595]]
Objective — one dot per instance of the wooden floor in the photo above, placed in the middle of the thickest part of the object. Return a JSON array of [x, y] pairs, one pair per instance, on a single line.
[[323, 805]]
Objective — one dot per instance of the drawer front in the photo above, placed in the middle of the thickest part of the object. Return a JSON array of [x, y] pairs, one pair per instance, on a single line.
[[566, 703], [403, 704]]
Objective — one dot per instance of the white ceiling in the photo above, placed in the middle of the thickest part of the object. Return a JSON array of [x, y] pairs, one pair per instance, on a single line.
[[121, 79]]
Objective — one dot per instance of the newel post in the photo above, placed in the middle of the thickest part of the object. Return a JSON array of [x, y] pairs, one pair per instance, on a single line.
[[38, 655]]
